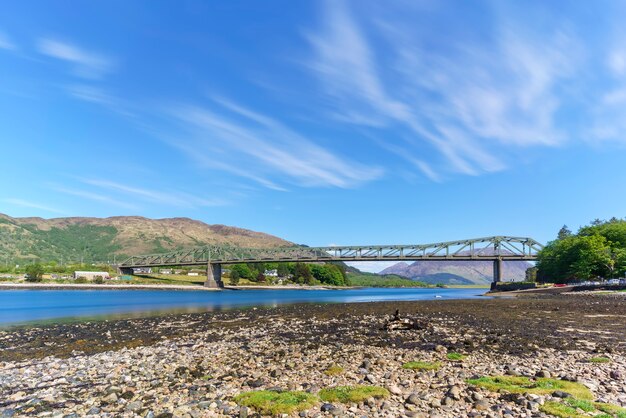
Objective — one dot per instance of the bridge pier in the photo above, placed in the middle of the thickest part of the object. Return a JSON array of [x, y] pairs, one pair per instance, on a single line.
[[497, 272], [214, 276]]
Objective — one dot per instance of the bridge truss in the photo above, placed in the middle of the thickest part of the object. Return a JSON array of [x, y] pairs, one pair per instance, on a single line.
[[502, 248]]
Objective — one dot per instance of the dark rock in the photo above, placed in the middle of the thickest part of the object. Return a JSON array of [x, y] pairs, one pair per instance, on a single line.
[[561, 394]]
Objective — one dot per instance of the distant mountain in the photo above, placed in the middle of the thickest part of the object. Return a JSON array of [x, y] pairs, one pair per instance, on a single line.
[[99, 239], [457, 272]]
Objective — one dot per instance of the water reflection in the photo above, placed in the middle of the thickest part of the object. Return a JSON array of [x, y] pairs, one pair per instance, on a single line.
[[28, 306]]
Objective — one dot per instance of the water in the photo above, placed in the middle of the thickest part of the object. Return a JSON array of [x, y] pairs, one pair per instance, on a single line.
[[36, 306]]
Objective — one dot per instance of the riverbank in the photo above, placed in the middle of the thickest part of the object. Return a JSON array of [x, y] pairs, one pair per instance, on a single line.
[[194, 365]]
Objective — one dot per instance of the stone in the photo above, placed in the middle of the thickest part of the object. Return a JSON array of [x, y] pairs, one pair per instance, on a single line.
[[481, 405], [561, 394], [413, 399], [134, 406], [394, 390]]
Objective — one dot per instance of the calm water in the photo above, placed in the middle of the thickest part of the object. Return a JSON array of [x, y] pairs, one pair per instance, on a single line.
[[28, 306]]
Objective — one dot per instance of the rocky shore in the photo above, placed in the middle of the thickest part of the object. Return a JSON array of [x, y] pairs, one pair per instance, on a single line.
[[431, 359]]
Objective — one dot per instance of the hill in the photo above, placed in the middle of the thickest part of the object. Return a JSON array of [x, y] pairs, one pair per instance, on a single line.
[[457, 272], [101, 239]]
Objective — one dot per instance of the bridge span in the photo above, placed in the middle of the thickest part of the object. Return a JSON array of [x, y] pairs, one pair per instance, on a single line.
[[496, 249]]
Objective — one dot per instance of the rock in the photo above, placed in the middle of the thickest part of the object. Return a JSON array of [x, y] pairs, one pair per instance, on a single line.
[[110, 398], [134, 406], [616, 375], [394, 390], [243, 412], [257, 383], [543, 373], [370, 378], [413, 399], [481, 405], [447, 401], [561, 394], [327, 407]]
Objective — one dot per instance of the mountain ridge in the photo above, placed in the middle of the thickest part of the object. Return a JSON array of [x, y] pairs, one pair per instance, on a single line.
[[99, 239]]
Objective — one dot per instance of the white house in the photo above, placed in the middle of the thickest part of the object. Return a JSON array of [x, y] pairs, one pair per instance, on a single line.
[[271, 273], [91, 274]]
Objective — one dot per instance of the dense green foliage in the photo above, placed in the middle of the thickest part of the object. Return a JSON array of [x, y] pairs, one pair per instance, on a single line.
[[596, 251], [34, 272], [73, 243], [387, 280], [310, 274]]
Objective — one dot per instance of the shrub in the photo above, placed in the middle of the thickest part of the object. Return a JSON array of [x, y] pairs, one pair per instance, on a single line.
[[34, 272], [98, 280], [80, 280]]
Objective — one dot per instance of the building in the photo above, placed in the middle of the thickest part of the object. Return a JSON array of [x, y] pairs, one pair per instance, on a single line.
[[271, 273], [142, 270], [90, 275], [165, 271]]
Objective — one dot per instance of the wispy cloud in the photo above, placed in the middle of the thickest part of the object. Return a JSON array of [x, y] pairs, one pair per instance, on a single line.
[[96, 197], [5, 42], [253, 145], [86, 63], [32, 205], [469, 101], [168, 198]]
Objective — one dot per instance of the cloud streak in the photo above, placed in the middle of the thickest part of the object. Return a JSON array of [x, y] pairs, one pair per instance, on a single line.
[[5, 42], [167, 198], [255, 146], [460, 107], [86, 64], [32, 205]]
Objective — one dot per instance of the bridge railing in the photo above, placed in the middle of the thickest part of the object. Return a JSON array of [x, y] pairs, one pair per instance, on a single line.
[[497, 247]]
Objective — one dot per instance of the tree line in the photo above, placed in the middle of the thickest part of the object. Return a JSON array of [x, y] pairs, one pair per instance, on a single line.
[[300, 273], [597, 250]]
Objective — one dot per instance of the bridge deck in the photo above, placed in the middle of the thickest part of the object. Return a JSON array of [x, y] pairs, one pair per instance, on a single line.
[[490, 248]]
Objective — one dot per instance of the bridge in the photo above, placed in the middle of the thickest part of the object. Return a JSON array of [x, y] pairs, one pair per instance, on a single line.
[[496, 249]]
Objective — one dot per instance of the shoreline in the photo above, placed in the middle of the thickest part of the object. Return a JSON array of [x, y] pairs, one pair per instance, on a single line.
[[195, 364]]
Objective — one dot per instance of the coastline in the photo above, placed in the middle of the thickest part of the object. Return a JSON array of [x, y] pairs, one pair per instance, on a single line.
[[86, 286], [195, 364]]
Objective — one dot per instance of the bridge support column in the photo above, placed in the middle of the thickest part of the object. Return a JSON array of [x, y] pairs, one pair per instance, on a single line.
[[497, 272], [214, 276]]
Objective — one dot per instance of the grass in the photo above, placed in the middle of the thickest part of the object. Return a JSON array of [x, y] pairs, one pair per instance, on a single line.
[[456, 356], [560, 410], [422, 365], [540, 386], [599, 360], [570, 407], [275, 403], [350, 394], [334, 370]]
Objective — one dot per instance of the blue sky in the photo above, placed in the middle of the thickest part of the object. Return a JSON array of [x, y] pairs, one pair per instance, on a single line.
[[320, 122]]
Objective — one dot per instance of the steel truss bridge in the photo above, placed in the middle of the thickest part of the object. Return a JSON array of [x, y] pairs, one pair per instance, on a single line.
[[496, 249]]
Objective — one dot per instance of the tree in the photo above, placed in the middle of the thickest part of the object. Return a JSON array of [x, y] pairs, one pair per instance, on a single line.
[[531, 274], [243, 270], [260, 278], [234, 277], [282, 270], [302, 273], [34, 272], [564, 232]]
